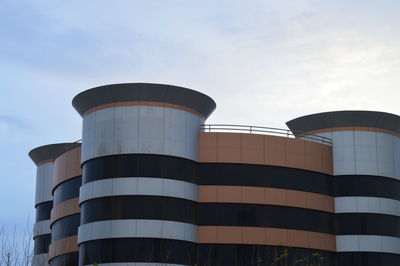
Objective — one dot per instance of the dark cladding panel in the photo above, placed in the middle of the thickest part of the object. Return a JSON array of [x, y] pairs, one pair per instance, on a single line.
[[143, 92], [335, 119]]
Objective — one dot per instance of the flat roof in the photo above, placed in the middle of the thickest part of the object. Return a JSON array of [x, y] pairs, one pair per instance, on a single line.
[[124, 92], [355, 118]]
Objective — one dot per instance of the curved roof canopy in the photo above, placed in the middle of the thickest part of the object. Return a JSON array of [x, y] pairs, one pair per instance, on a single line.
[[125, 92], [334, 119]]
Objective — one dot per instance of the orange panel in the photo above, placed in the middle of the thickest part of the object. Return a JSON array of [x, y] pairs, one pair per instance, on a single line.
[[296, 198], [67, 166], [275, 196], [297, 238], [63, 246], [255, 195], [65, 208], [229, 234], [253, 235], [207, 193], [229, 194], [277, 237], [277, 151], [207, 234]]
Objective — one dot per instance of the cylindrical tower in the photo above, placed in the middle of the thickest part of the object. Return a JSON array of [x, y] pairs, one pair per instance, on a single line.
[[43, 157], [139, 153], [264, 200], [366, 160], [65, 215]]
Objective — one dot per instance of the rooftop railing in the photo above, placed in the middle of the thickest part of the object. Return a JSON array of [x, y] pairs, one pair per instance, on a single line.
[[264, 131]]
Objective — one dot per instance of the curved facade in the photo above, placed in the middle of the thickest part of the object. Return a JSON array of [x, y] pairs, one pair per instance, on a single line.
[[148, 186], [65, 215], [139, 152], [43, 157], [366, 160]]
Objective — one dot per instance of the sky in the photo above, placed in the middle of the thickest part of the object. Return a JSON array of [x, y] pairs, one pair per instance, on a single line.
[[264, 62]]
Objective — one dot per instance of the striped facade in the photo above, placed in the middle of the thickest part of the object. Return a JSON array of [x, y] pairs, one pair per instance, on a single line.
[[148, 187]]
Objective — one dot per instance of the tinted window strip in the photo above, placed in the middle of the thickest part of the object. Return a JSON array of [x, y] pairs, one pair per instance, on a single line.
[[366, 185], [67, 190], [139, 207], [65, 227], [209, 214], [366, 259], [257, 215], [137, 250], [260, 255], [161, 166], [264, 176], [181, 252], [43, 211], [70, 259], [367, 224], [42, 244], [140, 165]]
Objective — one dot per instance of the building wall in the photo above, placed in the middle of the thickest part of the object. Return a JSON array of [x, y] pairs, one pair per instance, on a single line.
[[259, 193], [366, 186], [65, 215], [155, 190], [43, 205], [139, 188]]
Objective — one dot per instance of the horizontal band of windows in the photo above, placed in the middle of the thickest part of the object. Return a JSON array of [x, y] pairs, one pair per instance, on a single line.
[[367, 224], [217, 214], [70, 259], [367, 243], [139, 207], [228, 174], [367, 259], [161, 166], [137, 229], [136, 264], [239, 254], [137, 250], [140, 165], [43, 211], [367, 205], [257, 215], [138, 186], [180, 252], [366, 185], [65, 227], [67, 190], [41, 228], [42, 244], [265, 236]]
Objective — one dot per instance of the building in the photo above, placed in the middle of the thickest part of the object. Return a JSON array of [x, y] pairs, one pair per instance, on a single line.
[[151, 184]]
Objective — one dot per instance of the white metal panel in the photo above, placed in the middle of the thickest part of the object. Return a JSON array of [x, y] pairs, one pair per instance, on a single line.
[[126, 129], [367, 205], [104, 132], [44, 183], [151, 129], [129, 186], [144, 229], [41, 228], [88, 135], [367, 243]]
